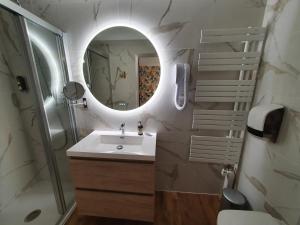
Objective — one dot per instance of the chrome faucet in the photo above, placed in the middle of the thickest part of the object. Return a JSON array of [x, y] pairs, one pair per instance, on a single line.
[[122, 128]]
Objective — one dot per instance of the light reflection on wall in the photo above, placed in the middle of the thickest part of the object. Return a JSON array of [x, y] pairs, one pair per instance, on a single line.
[[49, 56], [51, 102]]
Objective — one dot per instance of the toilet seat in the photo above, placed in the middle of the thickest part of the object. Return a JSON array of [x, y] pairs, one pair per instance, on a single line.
[[241, 217]]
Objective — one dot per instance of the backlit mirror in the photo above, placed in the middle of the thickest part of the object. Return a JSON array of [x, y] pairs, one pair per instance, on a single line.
[[121, 68]]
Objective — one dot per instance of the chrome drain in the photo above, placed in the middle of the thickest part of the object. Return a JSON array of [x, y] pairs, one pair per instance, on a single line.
[[32, 216], [119, 147]]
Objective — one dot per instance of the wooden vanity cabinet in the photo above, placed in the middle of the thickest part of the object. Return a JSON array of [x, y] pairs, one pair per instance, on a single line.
[[114, 188]]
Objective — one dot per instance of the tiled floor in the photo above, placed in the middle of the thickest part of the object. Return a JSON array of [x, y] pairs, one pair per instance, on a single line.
[[172, 208]]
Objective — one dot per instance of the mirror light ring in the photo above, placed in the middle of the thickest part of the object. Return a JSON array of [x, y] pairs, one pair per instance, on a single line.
[[156, 44]]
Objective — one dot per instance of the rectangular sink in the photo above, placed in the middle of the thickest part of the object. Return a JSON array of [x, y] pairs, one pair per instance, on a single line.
[[122, 140], [113, 145]]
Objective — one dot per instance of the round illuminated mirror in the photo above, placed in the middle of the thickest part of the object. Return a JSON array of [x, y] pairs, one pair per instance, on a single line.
[[121, 68]]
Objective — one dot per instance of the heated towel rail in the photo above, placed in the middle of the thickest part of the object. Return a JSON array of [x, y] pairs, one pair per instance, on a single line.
[[236, 92]]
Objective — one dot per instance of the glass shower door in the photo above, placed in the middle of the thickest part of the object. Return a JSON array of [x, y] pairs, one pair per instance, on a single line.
[[27, 195], [50, 79]]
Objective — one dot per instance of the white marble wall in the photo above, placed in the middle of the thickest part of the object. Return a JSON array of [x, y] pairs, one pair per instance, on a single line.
[[126, 90], [270, 173], [174, 26], [17, 166], [22, 158], [16, 162]]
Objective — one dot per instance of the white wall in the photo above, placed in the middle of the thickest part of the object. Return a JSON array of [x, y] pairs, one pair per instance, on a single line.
[[174, 27], [17, 161], [270, 173]]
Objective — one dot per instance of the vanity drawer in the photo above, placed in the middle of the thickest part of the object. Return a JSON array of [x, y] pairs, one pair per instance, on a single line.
[[123, 176], [115, 205]]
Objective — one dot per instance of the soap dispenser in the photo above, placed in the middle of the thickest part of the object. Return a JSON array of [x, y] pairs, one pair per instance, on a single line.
[[140, 128]]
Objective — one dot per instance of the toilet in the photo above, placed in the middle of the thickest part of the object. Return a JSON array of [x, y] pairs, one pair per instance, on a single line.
[[241, 217]]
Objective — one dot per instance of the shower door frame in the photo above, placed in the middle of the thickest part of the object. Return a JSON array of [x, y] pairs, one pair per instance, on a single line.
[[30, 16], [51, 161], [44, 125], [50, 157]]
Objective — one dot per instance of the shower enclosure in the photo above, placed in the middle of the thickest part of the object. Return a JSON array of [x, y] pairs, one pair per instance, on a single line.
[[36, 122], [97, 75]]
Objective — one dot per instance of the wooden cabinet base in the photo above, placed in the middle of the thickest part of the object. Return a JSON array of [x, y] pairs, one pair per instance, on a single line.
[[115, 205], [119, 189], [122, 176]]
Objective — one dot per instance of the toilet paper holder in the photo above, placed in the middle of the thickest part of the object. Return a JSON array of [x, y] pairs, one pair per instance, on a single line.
[[265, 121]]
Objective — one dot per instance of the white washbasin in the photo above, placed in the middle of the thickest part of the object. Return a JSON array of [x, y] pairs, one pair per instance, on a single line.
[[112, 145], [122, 140]]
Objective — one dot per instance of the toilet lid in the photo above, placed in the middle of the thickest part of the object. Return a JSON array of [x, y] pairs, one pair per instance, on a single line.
[[240, 217]]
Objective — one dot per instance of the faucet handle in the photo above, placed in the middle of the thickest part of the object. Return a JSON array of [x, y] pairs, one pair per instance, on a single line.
[[122, 125], [140, 125]]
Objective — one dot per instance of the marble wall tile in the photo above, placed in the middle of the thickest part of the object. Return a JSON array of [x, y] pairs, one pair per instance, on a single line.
[[16, 161], [175, 26], [270, 172], [16, 61], [22, 157]]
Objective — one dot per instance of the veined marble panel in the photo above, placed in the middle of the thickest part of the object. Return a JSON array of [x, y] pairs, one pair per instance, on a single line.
[[22, 157], [15, 59], [270, 173], [16, 162]]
